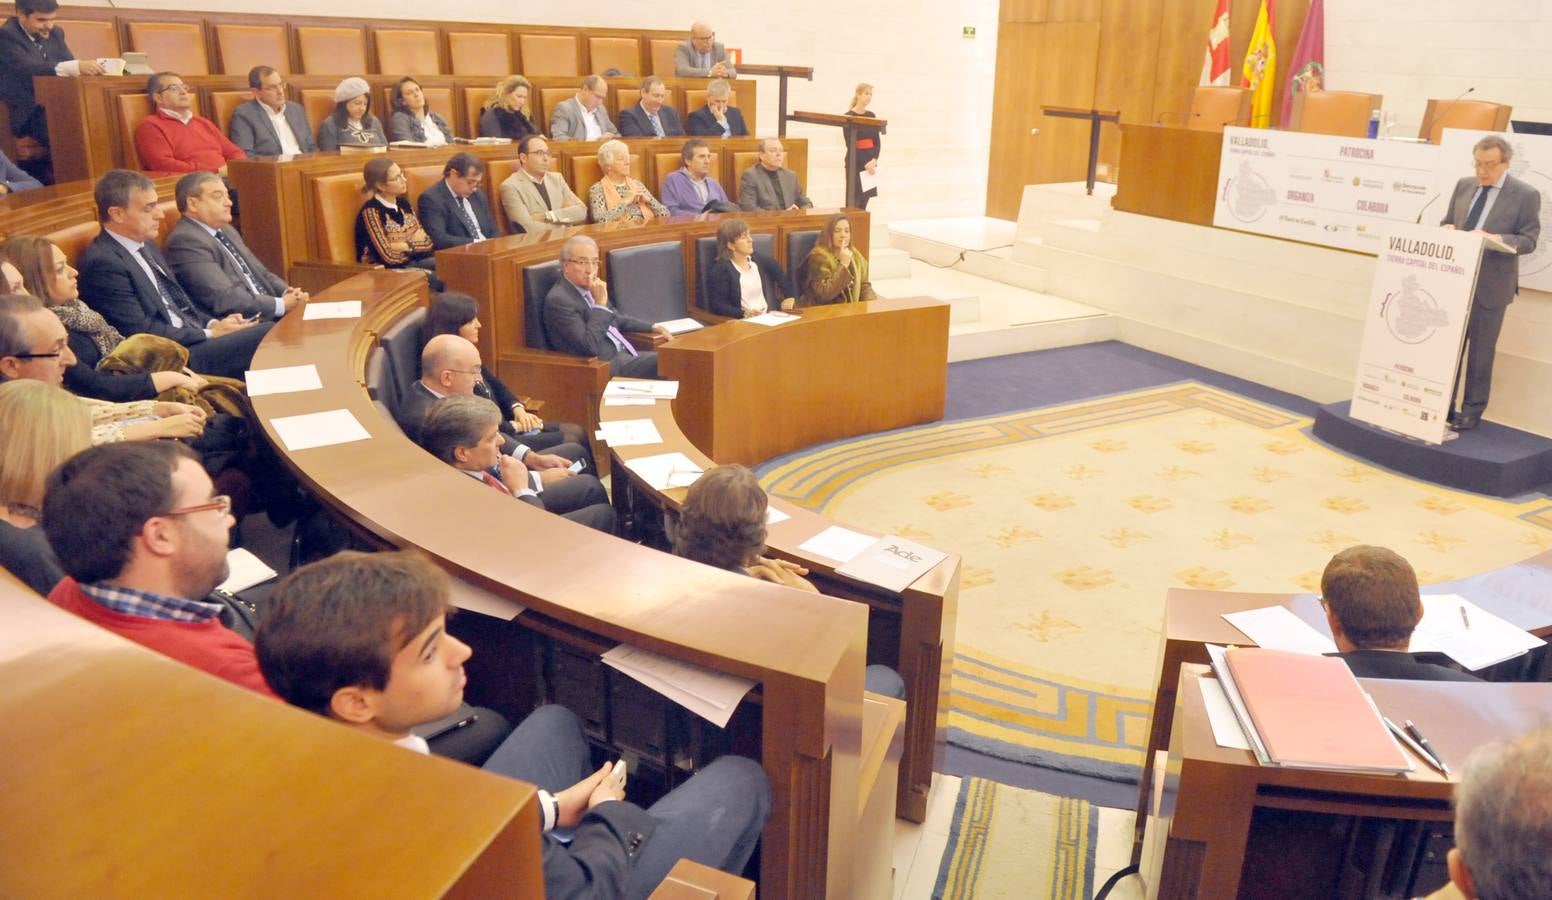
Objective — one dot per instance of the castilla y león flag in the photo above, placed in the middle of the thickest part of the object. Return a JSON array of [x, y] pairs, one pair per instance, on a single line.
[[1215, 67], [1259, 73]]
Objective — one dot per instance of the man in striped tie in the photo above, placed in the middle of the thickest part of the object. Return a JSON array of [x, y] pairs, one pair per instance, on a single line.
[[211, 261]]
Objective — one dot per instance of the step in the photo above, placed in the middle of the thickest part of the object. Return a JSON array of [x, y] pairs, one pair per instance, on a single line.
[[966, 344], [1061, 201], [964, 306], [887, 262], [1001, 265]]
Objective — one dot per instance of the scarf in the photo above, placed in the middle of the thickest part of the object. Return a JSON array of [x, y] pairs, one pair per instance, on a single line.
[[82, 319], [612, 196]]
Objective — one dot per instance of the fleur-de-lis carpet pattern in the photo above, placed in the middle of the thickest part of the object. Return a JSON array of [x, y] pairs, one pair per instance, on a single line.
[[1073, 521]]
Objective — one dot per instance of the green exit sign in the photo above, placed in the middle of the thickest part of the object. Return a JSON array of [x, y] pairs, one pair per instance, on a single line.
[[969, 31]]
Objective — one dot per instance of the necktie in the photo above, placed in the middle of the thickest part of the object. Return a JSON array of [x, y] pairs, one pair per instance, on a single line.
[[1477, 205], [468, 218], [173, 298], [544, 193], [657, 126], [247, 273], [615, 334], [495, 482]]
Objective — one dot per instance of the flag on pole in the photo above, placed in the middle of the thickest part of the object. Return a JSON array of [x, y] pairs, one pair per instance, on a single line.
[[1308, 72], [1215, 67], [1259, 73]]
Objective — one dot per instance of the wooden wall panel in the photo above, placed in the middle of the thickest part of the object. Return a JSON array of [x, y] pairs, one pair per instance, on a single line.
[[1128, 65], [1039, 64], [1182, 29], [1023, 10], [1077, 10]]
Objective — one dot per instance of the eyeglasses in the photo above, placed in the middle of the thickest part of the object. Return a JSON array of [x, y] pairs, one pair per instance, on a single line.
[[179, 88], [277, 86], [222, 503], [55, 355], [586, 263], [1489, 164]]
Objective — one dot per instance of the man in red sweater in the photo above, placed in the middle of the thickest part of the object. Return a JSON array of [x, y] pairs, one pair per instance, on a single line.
[[173, 139], [142, 535]]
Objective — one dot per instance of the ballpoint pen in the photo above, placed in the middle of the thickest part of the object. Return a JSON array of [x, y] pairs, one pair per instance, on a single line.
[[1464, 620], [1405, 738], [1423, 742]]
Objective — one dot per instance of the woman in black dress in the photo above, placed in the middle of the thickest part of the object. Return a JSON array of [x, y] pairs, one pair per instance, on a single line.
[[862, 142]]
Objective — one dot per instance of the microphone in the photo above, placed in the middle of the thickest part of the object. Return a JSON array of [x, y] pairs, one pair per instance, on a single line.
[[1438, 116]]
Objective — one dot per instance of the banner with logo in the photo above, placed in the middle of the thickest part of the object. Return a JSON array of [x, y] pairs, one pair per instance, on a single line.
[[1412, 333], [1319, 188], [1531, 163]]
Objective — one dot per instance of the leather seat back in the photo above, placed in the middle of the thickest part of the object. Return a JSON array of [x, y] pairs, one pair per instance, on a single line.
[[133, 107], [90, 38], [407, 51], [171, 46], [799, 244], [402, 342], [336, 200], [222, 103], [663, 50], [537, 281], [548, 55], [620, 53], [241, 47], [331, 50], [480, 53], [648, 281], [380, 385]]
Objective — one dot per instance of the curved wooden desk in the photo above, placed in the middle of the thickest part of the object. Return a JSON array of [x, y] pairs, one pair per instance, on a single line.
[[805, 651]]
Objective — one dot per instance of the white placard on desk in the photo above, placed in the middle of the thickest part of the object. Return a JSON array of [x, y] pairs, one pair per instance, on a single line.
[[320, 429], [283, 380], [331, 309], [772, 318], [658, 390], [892, 562], [774, 515], [837, 543], [665, 470], [681, 326], [629, 432]]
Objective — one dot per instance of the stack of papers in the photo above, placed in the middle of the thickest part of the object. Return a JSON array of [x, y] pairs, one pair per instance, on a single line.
[[244, 571], [1277, 628], [775, 317], [837, 543], [629, 432], [657, 390], [339, 309], [320, 429], [891, 562], [1468, 634], [285, 380], [665, 470], [680, 326], [709, 694]]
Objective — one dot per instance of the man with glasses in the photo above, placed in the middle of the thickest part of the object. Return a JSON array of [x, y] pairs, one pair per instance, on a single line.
[[578, 319], [534, 196], [142, 536], [583, 117], [457, 212], [702, 56], [270, 125], [173, 139], [1498, 205]]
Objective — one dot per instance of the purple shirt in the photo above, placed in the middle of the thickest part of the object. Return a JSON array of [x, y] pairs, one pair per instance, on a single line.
[[681, 198]]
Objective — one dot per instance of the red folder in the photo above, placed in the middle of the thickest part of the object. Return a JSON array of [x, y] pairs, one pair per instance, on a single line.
[[1311, 712]]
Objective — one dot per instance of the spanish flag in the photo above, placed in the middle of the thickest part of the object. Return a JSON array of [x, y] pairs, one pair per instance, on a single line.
[[1259, 73]]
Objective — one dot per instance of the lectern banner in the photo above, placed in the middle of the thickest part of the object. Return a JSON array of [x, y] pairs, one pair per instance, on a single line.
[[1412, 333], [1531, 163], [1319, 188]]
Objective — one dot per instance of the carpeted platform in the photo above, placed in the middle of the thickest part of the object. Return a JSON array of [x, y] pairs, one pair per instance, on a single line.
[[1009, 842]]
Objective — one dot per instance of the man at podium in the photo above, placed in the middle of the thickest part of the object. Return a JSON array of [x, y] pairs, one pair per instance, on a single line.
[[1503, 207]]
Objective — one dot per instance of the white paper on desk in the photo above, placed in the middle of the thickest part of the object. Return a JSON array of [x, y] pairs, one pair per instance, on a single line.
[[709, 694], [837, 543], [867, 180], [774, 515], [680, 326], [337, 309], [892, 562], [284, 380], [630, 401], [665, 470], [629, 433], [1220, 715], [658, 390], [1488, 641], [772, 318], [244, 571], [320, 429], [1277, 628], [1497, 245]]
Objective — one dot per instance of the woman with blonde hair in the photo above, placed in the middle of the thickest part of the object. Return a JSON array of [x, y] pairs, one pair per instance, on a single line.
[[502, 115], [617, 195], [834, 272], [43, 426], [862, 144]]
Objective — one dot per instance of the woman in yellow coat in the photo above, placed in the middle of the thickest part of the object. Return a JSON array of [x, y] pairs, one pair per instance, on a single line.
[[834, 272]]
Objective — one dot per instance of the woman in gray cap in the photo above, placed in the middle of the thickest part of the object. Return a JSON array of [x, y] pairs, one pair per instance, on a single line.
[[352, 123]]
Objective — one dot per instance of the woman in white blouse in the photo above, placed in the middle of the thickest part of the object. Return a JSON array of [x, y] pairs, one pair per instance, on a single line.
[[742, 282]]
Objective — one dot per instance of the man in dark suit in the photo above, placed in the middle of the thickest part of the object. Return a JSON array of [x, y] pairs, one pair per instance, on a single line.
[[124, 277], [450, 366], [270, 125], [578, 319], [30, 44], [769, 184], [718, 118], [211, 262], [457, 212], [1372, 605], [650, 117], [1499, 205]]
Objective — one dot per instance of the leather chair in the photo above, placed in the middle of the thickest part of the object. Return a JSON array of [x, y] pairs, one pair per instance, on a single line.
[[172, 46], [487, 53], [742, 161], [585, 171], [420, 178], [1478, 115], [222, 103], [665, 164], [132, 108], [241, 47], [549, 98], [663, 50], [497, 171], [380, 385], [621, 53], [335, 201], [473, 103], [402, 342], [318, 104], [91, 38], [537, 281], [1212, 108], [549, 55], [1343, 113], [386, 412], [331, 50], [706, 254], [410, 52], [72, 240], [799, 243], [647, 281]]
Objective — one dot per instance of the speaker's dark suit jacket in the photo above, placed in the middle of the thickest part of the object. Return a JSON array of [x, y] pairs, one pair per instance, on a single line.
[[634, 122], [704, 124], [438, 212], [211, 277], [1397, 665], [20, 60]]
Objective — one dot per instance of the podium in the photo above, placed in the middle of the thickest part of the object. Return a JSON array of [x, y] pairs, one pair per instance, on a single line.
[[846, 123]]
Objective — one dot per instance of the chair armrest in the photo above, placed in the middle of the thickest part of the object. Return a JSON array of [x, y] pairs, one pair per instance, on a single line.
[[646, 340]]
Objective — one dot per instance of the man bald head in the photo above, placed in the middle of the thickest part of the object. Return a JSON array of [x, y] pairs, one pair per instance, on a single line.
[[450, 366]]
